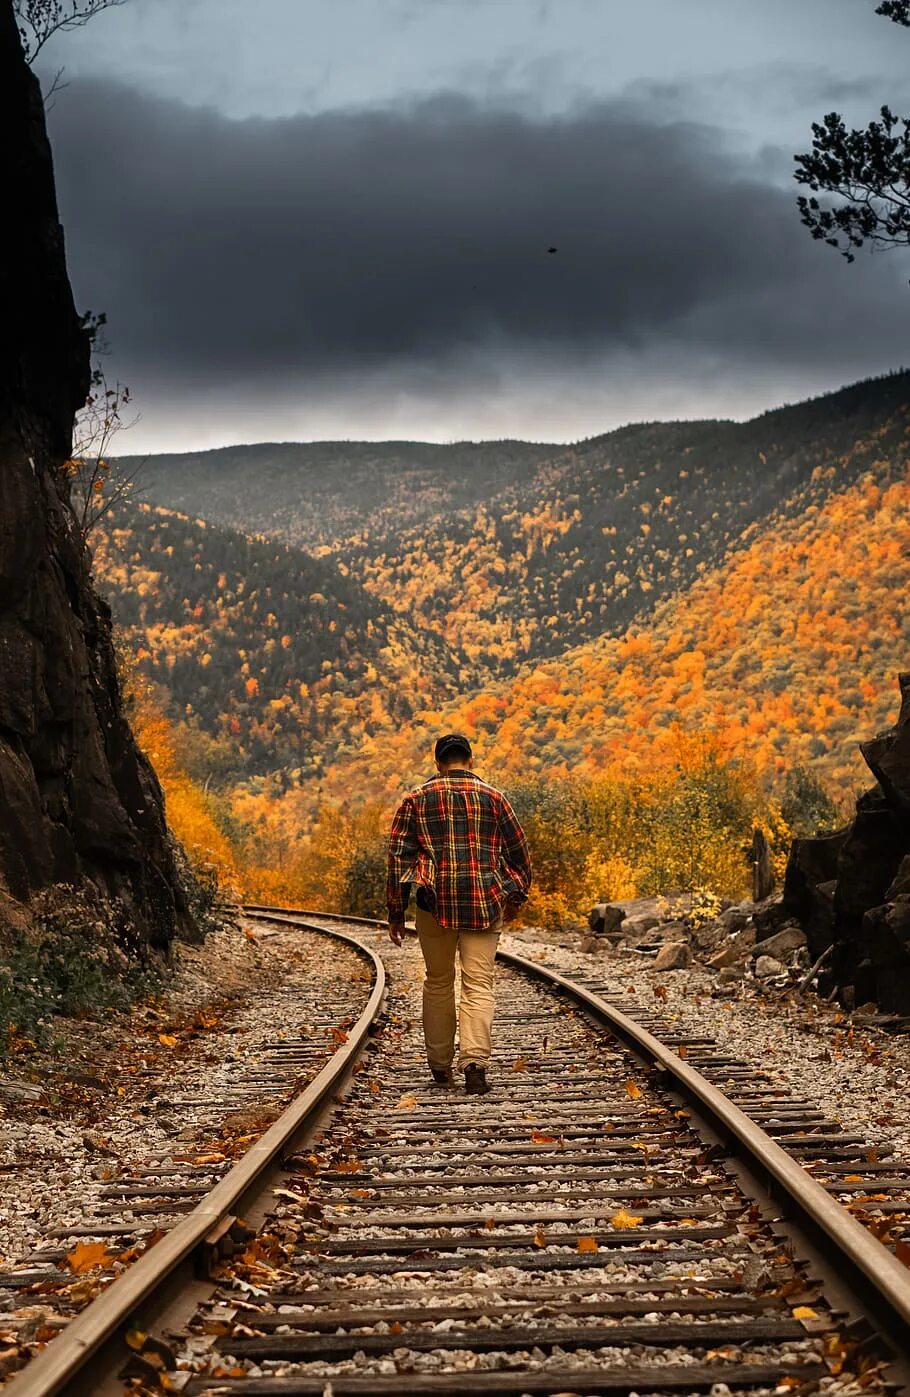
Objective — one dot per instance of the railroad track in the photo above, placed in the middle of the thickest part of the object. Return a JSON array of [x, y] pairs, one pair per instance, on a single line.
[[626, 1211]]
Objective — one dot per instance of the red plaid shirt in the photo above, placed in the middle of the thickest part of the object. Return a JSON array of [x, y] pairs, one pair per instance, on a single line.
[[459, 840]]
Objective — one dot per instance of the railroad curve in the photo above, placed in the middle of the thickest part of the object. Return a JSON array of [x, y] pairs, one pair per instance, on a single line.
[[606, 1220]]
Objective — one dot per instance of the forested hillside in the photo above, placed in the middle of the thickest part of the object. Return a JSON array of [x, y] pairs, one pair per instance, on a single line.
[[318, 493], [729, 589], [509, 558], [272, 659], [785, 654]]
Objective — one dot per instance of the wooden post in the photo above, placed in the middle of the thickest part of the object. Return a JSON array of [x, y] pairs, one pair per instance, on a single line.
[[762, 875]]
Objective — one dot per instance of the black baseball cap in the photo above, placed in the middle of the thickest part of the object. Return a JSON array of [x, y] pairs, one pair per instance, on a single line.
[[450, 743]]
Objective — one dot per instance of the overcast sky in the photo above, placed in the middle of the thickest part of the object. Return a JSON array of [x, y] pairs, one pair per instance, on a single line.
[[332, 218]]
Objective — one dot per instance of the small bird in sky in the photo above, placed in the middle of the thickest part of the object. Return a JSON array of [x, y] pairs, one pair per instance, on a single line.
[[551, 249]]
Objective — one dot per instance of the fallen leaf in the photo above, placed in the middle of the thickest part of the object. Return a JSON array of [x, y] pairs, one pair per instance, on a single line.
[[375, 1088], [871, 1155], [519, 1065], [804, 1312], [587, 1244], [539, 1137], [136, 1338], [395, 1327], [622, 1219], [85, 1256], [348, 1166], [633, 1091], [407, 1103], [902, 1252], [683, 1050], [539, 1238], [490, 1224], [167, 1040]]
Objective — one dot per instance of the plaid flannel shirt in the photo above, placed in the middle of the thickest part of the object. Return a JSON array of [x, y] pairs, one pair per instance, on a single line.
[[459, 840]]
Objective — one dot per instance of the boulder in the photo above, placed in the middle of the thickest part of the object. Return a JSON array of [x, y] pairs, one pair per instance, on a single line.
[[770, 914], [730, 954], [850, 891], [888, 755], [673, 931], [673, 955], [767, 966], [639, 926], [737, 917], [604, 918], [782, 943], [901, 882]]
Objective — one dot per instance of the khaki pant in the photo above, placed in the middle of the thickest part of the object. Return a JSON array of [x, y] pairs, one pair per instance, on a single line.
[[476, 952]]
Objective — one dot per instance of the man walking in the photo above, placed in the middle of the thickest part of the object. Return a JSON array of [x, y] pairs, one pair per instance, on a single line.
[[459, 841]]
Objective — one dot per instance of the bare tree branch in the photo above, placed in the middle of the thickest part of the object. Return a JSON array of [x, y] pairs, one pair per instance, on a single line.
[[98, 483], [38, 20]]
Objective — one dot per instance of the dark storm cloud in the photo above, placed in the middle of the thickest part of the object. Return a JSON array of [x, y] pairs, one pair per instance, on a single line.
[[349, 240]]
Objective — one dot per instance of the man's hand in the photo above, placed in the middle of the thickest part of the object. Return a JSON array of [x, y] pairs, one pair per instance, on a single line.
[[396, 933], [510, 912]]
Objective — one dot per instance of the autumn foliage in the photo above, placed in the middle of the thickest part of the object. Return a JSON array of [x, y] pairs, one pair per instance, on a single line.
[[735, 633]]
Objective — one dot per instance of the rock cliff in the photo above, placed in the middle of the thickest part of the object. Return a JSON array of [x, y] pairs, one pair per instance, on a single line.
[[851, 890], [78, 802]]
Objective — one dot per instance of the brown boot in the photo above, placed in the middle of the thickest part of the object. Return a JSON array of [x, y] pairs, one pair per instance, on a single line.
[[475, 1080], [443, 1076]]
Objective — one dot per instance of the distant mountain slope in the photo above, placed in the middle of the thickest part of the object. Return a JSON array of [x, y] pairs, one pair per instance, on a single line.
[[787, 651], [316, 493], [510, 552], [599, 536], [272, 653]]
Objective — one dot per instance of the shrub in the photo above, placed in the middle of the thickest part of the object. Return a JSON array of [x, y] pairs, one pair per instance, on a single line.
[[805, 804], [76, 959]]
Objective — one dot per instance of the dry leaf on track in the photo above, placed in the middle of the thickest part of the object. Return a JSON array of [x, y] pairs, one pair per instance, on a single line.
[[622, 1220], [407, 1103], [587, 1244], [633, 1091], [85, 1256]]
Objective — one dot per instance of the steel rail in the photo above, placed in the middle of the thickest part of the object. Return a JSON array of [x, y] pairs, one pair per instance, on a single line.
[[872, 1271], [96, 1337]]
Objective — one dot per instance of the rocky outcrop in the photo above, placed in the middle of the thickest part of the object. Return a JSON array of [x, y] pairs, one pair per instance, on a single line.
[[851, 890], [78, 802]]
